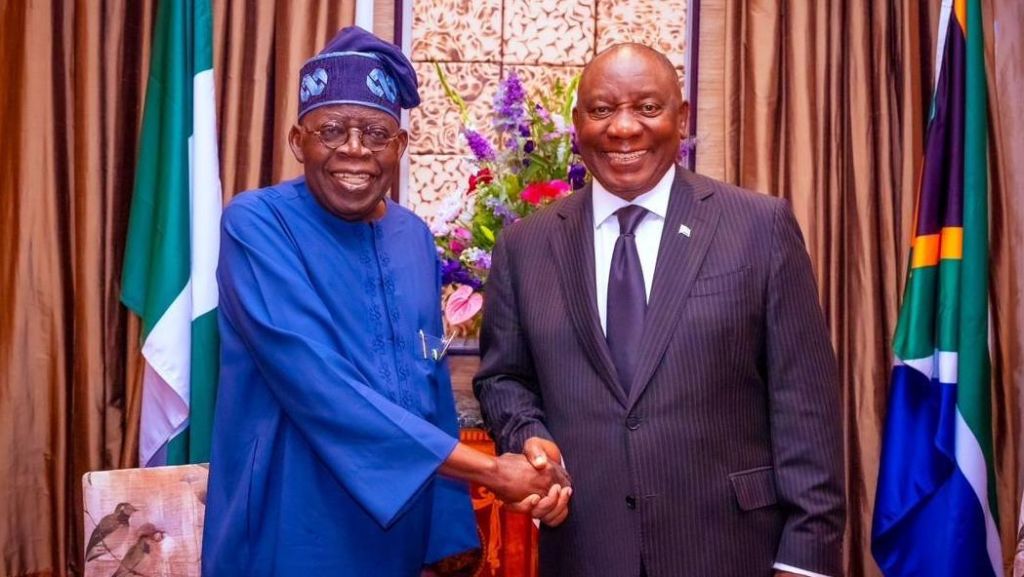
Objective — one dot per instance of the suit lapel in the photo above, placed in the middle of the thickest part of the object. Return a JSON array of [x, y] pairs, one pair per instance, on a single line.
[[679, 259], [573, 247]]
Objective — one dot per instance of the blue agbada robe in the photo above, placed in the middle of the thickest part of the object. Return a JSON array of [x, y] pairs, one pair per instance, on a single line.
[[330, 423]]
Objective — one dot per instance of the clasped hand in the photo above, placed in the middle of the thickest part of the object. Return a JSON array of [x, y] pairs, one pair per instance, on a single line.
[[537, 483]]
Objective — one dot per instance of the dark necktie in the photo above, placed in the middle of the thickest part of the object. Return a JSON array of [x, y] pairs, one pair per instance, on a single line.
[[627, 299]]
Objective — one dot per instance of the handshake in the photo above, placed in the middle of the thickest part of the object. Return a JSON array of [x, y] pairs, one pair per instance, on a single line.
[[542, 488], [534, 482]]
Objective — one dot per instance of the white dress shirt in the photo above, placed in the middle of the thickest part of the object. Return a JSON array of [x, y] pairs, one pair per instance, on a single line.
[[647, 234], [648, 241]]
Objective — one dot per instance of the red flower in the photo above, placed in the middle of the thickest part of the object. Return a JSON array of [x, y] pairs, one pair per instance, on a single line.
[[482, 177], [538, 192]]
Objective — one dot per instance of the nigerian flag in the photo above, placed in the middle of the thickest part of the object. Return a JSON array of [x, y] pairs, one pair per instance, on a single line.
[[173, 239], [935, 510]]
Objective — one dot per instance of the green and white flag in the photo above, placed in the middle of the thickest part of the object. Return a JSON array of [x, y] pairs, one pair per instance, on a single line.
[[170, 260]]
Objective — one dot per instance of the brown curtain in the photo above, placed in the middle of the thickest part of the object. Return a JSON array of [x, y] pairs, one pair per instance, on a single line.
[[74, 76], [259, 48], [73, 82], [824, 104]]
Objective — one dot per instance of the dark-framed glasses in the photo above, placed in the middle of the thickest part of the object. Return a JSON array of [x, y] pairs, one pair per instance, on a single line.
[[373, 138]]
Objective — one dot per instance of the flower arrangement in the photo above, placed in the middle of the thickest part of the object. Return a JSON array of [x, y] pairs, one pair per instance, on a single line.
[[533, 162]]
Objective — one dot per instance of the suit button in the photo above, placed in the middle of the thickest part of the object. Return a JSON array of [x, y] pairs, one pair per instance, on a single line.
[[631, 501], [633, 423]]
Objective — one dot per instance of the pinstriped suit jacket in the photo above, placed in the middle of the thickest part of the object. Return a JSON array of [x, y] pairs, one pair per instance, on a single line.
[[726, 456]]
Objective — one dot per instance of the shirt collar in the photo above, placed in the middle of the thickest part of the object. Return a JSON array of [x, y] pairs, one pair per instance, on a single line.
[[654, 200]]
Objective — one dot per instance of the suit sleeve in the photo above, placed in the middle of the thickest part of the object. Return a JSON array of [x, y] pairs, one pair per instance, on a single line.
[[364, 439], [804, 407], [506, 384]]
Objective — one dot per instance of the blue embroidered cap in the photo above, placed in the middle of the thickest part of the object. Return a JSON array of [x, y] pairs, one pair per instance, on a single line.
[[357, 67]]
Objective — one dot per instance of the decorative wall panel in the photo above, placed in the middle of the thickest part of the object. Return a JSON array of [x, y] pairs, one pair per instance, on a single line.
[[434, 124], [660, 24], [433, 176], [539, 79], [557, 32], [457, 30], [480, 41]]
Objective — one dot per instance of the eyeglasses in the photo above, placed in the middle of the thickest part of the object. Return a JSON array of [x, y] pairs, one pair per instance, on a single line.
[[372, 138]]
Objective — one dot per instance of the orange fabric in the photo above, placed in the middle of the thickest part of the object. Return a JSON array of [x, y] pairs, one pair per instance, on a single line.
[[509, 539]]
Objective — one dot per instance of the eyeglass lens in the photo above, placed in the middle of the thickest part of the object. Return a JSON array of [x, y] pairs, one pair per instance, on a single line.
[[373, 138]]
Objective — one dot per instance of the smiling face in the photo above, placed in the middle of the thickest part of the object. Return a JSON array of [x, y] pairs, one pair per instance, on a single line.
[[630, 118], [350, 181]]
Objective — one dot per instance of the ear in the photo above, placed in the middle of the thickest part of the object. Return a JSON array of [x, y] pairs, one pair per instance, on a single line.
[[295, 143], [576, 117], [403, 142], [684, 119]]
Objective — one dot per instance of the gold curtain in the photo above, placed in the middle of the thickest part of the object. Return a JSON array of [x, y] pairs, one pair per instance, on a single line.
[[74, 78], [824, 104]]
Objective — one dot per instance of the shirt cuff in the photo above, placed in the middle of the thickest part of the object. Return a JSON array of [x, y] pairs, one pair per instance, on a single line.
[[798, 571]]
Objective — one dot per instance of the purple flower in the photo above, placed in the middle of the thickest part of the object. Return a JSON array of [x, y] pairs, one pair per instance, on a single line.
[[481, 148], [524, 130], [501, 210], [542, 113], [577, 172], [508, 103], [686, 147], [452, 271], [529, 146], [476, 257]]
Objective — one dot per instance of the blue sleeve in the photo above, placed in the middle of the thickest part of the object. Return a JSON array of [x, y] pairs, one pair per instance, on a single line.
[[364, 439], [453, 525]]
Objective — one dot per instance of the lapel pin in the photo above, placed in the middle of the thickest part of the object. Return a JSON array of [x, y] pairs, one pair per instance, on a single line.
[[684, 230]]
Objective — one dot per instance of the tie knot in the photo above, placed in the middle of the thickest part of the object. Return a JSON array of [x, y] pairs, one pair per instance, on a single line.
[[629, 217]]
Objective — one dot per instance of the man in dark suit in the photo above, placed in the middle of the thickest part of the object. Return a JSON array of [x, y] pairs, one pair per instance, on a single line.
[[660, 332]]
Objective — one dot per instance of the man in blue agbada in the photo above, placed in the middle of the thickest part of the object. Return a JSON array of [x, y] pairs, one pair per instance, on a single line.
[[335, 448]]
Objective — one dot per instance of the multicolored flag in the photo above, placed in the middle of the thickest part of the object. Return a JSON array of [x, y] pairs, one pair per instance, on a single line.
[[935, 510], [173, 239]]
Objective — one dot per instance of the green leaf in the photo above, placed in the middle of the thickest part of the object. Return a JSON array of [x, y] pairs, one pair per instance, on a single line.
[[452, 95], [487, 232]]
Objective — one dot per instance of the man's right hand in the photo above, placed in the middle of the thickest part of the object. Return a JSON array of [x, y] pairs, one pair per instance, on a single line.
[[515, 478], [540, 487], [541, 451]]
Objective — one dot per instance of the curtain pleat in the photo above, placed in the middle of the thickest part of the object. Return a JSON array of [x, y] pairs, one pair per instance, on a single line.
[[1004, 47], [825, 105]]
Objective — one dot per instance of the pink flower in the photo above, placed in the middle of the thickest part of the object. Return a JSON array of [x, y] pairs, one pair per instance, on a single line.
[[538, 192], [460, 239], [462, 305]]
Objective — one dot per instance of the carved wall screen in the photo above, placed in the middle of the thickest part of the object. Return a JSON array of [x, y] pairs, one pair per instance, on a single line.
[[478, 42]]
